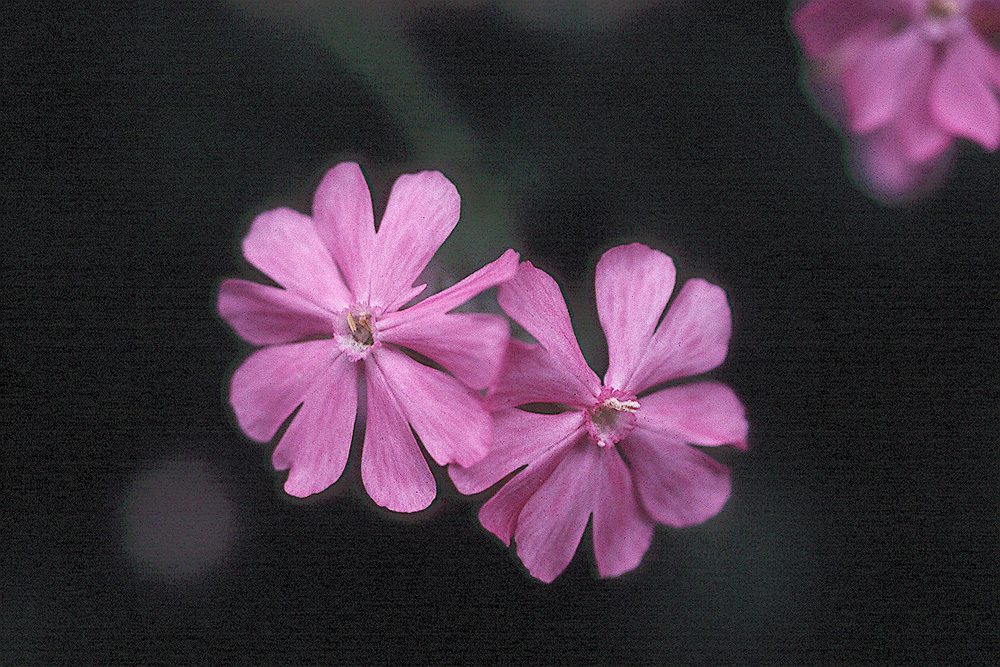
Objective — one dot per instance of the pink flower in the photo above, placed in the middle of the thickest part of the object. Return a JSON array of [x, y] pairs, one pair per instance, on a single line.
[[922, 71], [340, 317], [616, 452]]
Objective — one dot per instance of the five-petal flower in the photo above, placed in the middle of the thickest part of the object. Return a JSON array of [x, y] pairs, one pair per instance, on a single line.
[[616, 453], [339, 321]]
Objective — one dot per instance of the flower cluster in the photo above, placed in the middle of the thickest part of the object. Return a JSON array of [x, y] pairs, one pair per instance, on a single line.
[[339, 333], [910, 77]]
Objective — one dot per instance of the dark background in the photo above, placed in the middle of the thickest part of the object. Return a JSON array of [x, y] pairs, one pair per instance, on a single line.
[[140, 526]]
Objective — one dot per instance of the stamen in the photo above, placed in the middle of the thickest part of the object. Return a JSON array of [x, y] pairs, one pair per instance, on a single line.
[[359, 335], [628, 405]]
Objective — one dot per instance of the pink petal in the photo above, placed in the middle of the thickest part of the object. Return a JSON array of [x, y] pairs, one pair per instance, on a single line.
[[422, 210], [393, 469], [693, 337], [679, 485], [633, 285], [985, 23], [876, 87], [494, 273], [914, 135], [469, 345], [532, 298], [961, 102], [315, 447], [450, 419], [531, 375], [883, 166], [284, 244], [273, 381], [822, 25], [519, 438], [622, 529], [700, 413], [342, 212], [551, 524], [264, 315], [500, 513], [923, 140]]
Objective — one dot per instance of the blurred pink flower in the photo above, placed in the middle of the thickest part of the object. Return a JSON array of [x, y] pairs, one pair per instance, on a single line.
[[614, 453], [340, 317], [913, 75]]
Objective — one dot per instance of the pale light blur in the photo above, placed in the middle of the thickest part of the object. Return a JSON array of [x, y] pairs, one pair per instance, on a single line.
[[178, 521]]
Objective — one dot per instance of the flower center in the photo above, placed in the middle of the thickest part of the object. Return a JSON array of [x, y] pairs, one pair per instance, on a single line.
[[612, 417], [942, 9], [356, 333], [942, 19]]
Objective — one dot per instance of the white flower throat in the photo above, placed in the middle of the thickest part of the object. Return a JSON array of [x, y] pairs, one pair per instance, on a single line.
[[612, 417]]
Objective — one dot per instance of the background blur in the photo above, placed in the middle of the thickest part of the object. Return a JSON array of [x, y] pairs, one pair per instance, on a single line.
[[140, 526]]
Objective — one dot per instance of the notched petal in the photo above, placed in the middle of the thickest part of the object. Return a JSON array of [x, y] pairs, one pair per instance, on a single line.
[[633, 284], [264, 315], [393, 470], [284, 245], [450, 419], [422, 211], [273, 381], [692, 338], [317, 443]]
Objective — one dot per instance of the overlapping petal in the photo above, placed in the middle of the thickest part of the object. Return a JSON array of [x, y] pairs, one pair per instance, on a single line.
[[499, 514], [519, 438], [823, 25], [450, 419], [264, 315], [552, 522], [284, 245], [468, 345], [342, 212], [532, 298], [273, 381], [984, 18], [494, 273], [633, 284], [883, 165], [422, 211], [622, 529], [700, 413], [317, 443], [393, 469], [692, 338], [875, 87], [923, 140], [531, 375], [679, 485], [961, 102]]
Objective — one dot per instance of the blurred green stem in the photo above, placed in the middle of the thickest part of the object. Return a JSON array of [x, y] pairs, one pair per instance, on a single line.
[[374, 45]]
